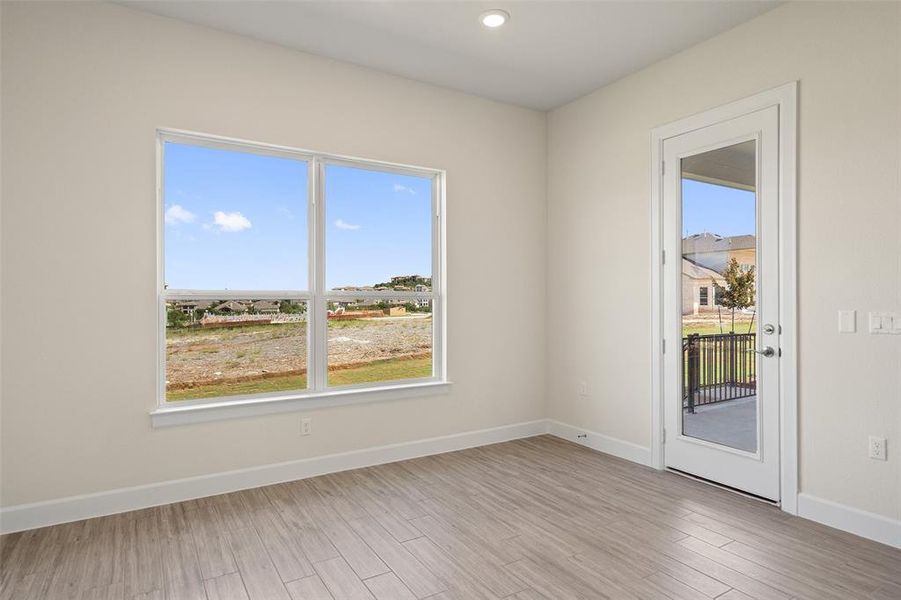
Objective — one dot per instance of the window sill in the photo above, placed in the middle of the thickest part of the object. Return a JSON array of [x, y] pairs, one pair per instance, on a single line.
[[168, 416]]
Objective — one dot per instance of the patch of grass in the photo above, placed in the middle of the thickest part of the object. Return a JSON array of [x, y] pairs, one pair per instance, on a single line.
[[345, 323], [371, 322], [260, 386], [714, 328], [380, 370], [226, 332]]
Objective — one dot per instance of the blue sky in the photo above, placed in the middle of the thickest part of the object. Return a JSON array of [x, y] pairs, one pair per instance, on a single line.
[[377, 225], [717, 209], [236, 220]]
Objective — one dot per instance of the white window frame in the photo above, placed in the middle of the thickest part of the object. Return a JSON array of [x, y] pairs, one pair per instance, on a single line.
[[316, 297]]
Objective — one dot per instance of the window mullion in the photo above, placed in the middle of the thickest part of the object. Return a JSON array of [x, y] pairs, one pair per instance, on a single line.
[[319, 316], [438, 306]]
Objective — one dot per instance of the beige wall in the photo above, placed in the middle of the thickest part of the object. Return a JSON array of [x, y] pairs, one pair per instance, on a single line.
[[846, 57], [84, 87]]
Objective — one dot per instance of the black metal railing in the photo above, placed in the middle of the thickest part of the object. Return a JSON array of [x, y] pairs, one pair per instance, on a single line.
[[718, 367]]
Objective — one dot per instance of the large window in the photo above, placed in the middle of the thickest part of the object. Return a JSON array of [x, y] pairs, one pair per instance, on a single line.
[[287, 273]]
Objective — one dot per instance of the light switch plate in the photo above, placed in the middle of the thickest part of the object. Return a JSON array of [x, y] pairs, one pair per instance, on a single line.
[[885, 323], [847, 321]]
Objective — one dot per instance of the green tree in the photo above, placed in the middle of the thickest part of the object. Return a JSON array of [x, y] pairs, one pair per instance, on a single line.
[[738, 292], [292, 308], [175, 318], [409, 281]]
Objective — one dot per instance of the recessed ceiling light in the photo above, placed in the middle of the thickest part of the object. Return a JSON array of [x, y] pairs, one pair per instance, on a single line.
[[494, 18]]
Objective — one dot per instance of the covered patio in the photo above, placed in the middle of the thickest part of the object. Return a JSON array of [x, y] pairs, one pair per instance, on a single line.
[[731, 423]]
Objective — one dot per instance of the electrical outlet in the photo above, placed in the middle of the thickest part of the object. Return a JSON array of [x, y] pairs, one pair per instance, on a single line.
[[583, 388], [877, 447], [306, 426]]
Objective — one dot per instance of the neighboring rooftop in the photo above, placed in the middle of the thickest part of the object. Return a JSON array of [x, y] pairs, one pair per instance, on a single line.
[[695, 271], [711, 242]]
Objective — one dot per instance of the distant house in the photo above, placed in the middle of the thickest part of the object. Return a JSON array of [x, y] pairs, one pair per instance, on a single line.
[[266, 307], [715, 251], [705, 257], [189, 306], [422, 302], [230, 306], [699, 288]]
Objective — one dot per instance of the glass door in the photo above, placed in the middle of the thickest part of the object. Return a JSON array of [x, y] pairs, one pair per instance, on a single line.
[[721, 303]]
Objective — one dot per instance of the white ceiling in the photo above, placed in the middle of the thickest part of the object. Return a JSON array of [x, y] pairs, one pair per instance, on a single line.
[[734, 166], [550, 52]]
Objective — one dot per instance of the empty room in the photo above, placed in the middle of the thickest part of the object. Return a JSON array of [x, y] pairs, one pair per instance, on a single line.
[[450, 300]]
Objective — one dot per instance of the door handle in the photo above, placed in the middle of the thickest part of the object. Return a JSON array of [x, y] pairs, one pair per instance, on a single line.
[[767, 351]]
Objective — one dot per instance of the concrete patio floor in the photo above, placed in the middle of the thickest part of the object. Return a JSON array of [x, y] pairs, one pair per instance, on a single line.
[[732, 423]]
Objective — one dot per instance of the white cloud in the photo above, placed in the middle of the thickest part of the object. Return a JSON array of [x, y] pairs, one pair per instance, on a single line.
[[342, 225], [402, 188], [231, 222], [175, 214]]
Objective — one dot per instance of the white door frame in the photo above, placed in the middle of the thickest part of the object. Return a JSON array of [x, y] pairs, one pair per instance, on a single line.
[[785, 98]]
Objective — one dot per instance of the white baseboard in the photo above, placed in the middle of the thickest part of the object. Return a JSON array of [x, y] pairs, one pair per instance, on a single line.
[[840, 516], [74, 508], [600, 442], [64, 510], [859, 522]]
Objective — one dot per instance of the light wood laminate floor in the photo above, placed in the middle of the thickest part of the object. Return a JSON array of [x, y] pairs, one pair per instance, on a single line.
[[531, 519]]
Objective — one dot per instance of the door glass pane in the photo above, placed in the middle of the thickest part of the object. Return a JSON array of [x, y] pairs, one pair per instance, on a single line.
[[719, 278]]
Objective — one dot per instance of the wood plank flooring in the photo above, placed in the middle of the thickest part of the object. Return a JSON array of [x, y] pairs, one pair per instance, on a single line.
[[527, 520]]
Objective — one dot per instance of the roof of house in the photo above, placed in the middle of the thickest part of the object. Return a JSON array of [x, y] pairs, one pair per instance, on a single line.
[[232, 305], [196, 303], [711, 242], [696, 271], [266, 304]]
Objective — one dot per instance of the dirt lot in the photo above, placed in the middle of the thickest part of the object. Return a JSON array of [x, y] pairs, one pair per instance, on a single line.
[[206, 356], [366, 340]]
